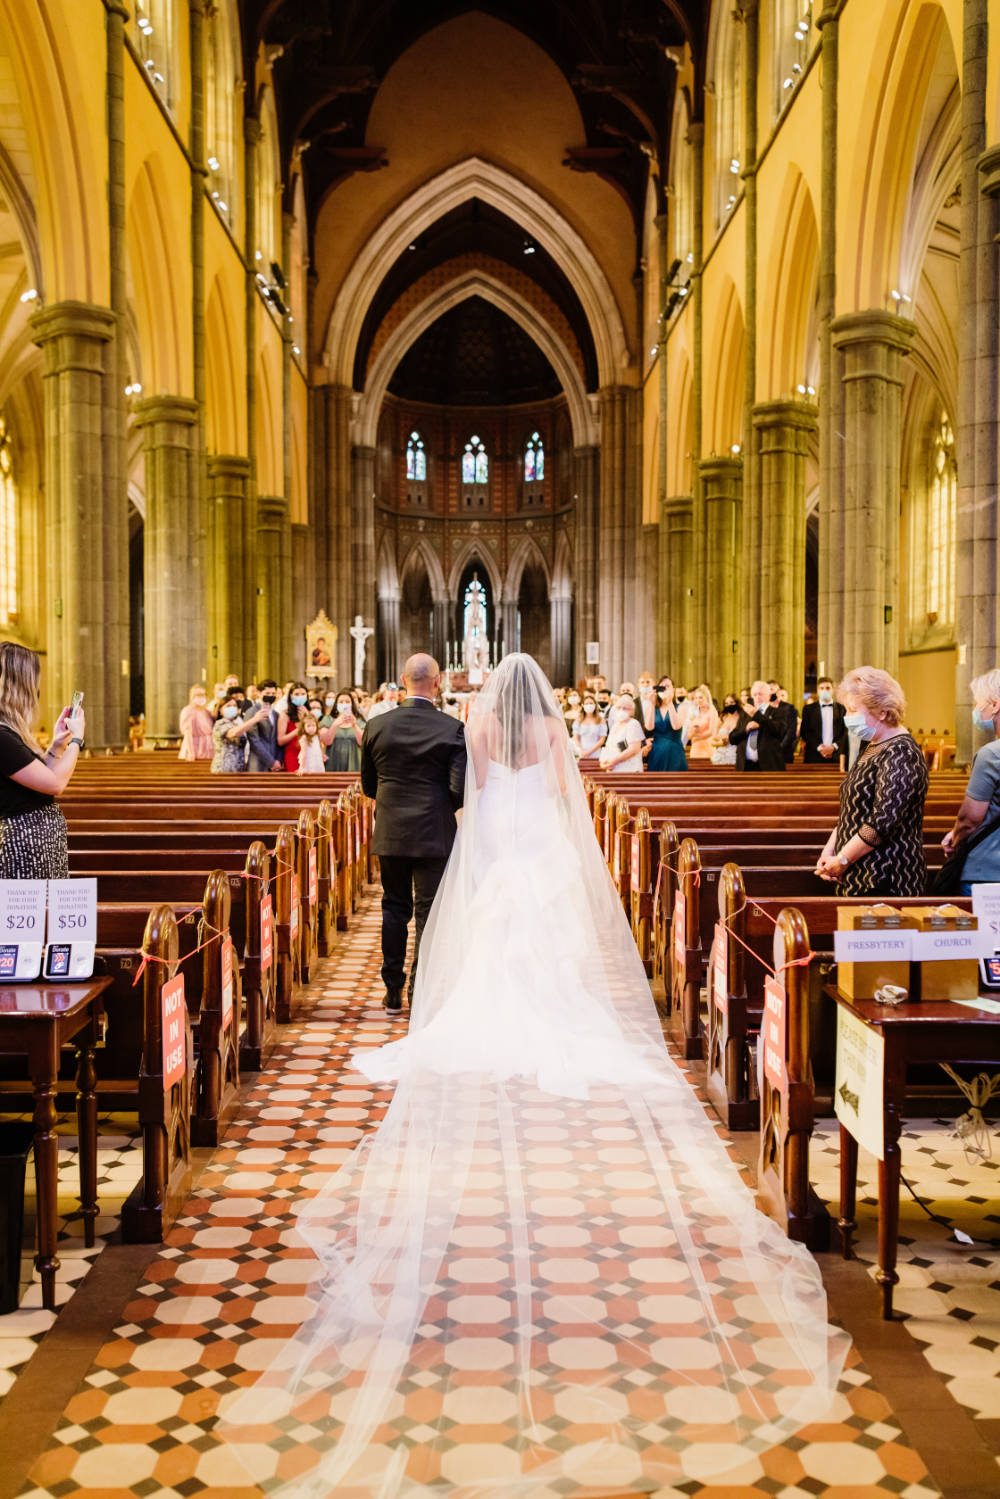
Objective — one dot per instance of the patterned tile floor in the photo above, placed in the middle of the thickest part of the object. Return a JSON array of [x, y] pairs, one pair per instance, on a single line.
[[230, 1285], [948, 1293], [119, 1166]]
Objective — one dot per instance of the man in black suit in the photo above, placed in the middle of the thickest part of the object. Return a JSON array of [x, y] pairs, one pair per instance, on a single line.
[[822, 731], [786, 711], [759, 733], [413, 764], [262, 739]]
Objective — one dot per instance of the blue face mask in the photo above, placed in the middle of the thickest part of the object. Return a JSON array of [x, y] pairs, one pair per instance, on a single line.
[[979, 722], [859, 726]]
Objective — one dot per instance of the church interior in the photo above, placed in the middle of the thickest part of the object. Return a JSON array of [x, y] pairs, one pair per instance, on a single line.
[[641, 336]]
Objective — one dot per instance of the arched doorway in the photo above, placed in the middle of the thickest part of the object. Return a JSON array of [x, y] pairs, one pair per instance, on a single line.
[[475, 572], [416, 612], [533, 615]]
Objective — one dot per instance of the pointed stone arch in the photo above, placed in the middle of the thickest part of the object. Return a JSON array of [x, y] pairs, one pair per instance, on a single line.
[[791, 350], [223, 432], [561, 581], [526, 551], [157, 286], [475, 178], [724, 352], [475, 283], [422, 552], [474, 549]]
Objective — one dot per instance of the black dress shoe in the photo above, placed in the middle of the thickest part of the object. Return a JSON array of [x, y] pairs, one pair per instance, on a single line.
[[394, 999]]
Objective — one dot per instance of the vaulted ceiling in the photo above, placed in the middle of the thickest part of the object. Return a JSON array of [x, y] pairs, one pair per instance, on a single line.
[[330, 57]]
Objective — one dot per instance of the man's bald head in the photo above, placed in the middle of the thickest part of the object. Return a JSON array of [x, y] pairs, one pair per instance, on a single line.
[[422, 675]]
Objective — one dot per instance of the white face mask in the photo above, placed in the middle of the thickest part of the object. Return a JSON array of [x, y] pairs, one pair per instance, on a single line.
[[299, 701], [620, 715], [573, 701], [329, 702], [344, 708], [230, 710], [825, 695], [589, 708]]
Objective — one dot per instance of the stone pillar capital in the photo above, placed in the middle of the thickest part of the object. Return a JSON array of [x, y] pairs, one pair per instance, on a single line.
[[873, 327], [272, 510], [229, 467], [799, 415], [117, 8], [988, 167], [171, 410], [720, 473], [829, 13], [678, 505], [72, 335]]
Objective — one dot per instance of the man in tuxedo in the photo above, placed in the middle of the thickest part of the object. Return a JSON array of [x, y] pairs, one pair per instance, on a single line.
[[759, 733], [413, 765], [262, 739], [822, 731], [786, 711]]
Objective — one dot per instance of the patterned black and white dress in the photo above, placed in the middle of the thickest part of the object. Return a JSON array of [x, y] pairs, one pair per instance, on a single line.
[[882, 802], [32, 828]]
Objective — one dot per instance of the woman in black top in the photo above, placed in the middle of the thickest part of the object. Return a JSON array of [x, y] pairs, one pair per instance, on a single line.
[[877, 847], [32, 828]]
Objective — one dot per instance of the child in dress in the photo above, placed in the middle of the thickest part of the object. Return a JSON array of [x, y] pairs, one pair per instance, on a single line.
[[311, 759]]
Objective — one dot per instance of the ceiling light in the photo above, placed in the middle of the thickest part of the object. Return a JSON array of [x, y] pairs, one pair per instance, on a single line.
[[30, 295], [736, 448], [213, 162], [530, 247], [296, 349], [734, 165]]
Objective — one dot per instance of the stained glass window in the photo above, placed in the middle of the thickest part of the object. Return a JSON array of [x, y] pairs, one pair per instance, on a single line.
[[534, 460], [416, 459], [942, 496], [475, 463], [8, 529]]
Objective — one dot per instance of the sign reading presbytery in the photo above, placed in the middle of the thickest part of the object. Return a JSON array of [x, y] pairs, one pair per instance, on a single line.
[[321, 641]]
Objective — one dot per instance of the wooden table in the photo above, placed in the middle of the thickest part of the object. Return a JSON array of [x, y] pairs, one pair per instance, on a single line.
[[36, 1020], [925, 1031]]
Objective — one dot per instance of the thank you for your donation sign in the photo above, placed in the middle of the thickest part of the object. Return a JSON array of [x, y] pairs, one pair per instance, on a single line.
[[986, 908], [857, 1097], [22, 927]]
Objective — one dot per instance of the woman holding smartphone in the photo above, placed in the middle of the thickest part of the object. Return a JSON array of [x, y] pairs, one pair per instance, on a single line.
[[32, 827]]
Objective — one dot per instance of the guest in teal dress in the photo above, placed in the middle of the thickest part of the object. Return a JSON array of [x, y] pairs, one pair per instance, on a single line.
[[664, 722]]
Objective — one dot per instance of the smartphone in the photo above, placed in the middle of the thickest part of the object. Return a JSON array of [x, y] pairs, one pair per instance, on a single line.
[[77, 704]]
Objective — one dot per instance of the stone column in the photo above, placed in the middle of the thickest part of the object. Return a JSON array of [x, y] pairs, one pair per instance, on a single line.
[[870, 348], [441, 623], [115, 537], [677, 587], [174, 552], [363, 530], [387, 659], [561, 637], [722, 490], [274, 592], [336, 479], [586, 468], [302, 592], [755, 520], [232, 574], [510, 627], [617, 532], [978, 525], [830, 389], [774, 643], [699, 621], [85, 566]]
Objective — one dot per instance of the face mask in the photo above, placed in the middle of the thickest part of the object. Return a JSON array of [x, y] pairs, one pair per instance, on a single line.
[[980, 722], [573, 701], [230, 710], [859, 726], [620, 715], [825, 696], [589, 708], [199, 702], [329, 702], [268, 697], [344, 708], [298, 701]]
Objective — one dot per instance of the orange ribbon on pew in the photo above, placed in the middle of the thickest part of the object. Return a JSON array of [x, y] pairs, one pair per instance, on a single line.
[[148, 957]]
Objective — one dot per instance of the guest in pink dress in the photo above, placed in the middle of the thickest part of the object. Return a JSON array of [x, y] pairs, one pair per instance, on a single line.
[[196, 727]]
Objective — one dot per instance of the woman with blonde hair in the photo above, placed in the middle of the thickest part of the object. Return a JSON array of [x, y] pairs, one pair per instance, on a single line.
[[196, 726], [877, 847], [32, 828], [702, 723]]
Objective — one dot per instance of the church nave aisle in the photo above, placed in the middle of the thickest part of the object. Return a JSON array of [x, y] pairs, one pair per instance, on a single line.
[[231, 1283]]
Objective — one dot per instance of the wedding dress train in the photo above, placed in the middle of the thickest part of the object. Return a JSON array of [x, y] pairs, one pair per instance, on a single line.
[[546, 1220]]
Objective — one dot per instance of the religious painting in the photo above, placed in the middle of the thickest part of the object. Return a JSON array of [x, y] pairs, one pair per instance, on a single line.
[[321, 642]]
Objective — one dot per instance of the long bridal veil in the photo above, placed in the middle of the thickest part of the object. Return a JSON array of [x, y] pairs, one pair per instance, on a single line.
[[541, 1274]]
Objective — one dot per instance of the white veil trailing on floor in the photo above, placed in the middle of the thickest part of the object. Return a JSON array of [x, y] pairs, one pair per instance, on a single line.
[[542, 1273]]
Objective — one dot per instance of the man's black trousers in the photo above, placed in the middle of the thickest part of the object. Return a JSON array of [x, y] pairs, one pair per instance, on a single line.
[[408, 885]]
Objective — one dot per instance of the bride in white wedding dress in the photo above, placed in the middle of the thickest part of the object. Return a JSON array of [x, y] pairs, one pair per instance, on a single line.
[[545, 1220]]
